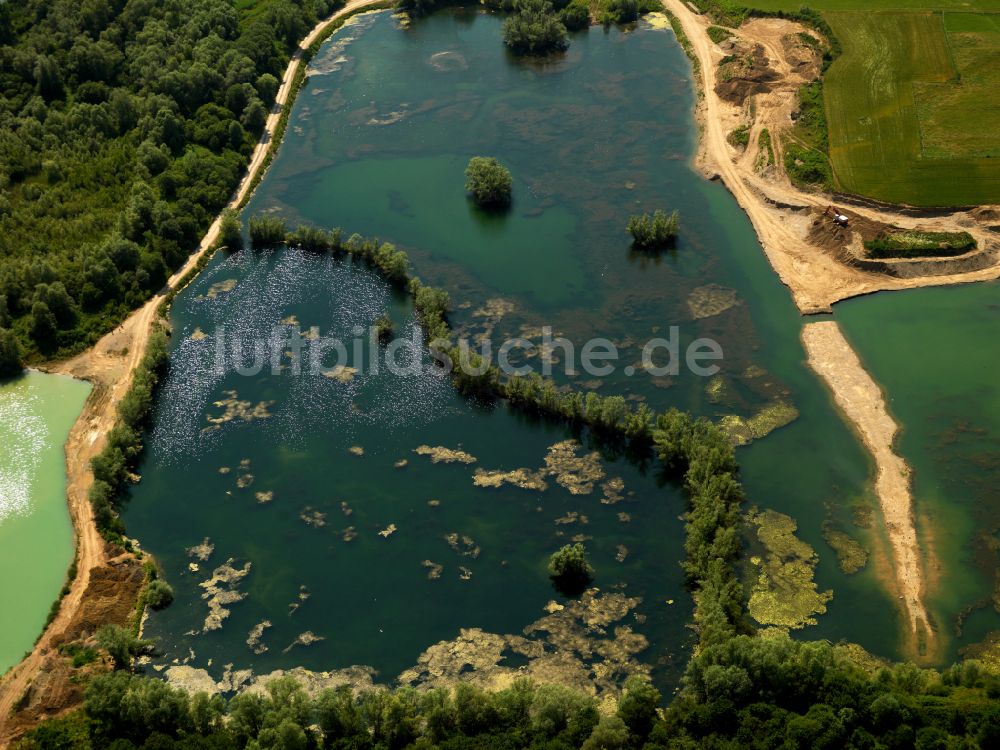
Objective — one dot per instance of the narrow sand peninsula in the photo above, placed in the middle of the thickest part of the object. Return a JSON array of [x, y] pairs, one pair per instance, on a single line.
[[862, 402]]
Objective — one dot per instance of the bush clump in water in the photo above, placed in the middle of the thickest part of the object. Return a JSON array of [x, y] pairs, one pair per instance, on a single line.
[[267, 231], [488, 181], [231, 231], [576, 15], [653, 232], [159, 594], [570, 570], [383, 329], [534, 29]]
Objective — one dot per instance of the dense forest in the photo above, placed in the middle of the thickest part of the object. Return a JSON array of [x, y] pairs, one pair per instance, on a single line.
[[125, 125]]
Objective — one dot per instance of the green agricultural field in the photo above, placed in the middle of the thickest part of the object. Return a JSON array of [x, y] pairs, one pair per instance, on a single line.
[[911, 107]]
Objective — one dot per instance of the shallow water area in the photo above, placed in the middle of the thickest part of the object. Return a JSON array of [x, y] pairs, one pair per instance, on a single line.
[[36, 538]]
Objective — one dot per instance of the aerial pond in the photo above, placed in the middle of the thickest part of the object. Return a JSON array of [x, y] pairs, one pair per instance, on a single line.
[[36, 538], [335, 516]]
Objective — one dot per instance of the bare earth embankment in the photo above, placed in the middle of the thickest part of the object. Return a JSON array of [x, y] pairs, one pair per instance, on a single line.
[[109, 366]]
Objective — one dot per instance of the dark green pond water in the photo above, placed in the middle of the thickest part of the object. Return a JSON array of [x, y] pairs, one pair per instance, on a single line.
[[377, 144], [934, 352]]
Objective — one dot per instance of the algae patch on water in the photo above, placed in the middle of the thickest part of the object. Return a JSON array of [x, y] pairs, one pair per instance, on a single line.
[[220, 591], [851, 556], [524, 478], [234, 408], [576, 473], [583, 644], [711, 300], [744, 430], [440, 454], [784, 593]]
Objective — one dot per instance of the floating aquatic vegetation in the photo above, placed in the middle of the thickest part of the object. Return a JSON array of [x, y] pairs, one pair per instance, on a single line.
[[573, 645], [401, 464], [612, 490], [463, 545], [307, 638], [244, 463], [524, 478], [349, 534], [716, 389], [356, 450], [624, 517], [244, 480], [579, 538], [388, 531], [754, 371], [622, 553], [440, 454], [312, 334], [221, 287], [345, 508], [863, 515], [493, 311], [194, 567], [851, 556], [710, 300], [433, 502], [291, 320], [576, 473], [313, 517], [224, 470], [255, 638], [341, 373], [220, 591], [195, 681], [433, 569], [784, 593], [743, 431], [201, 551], [464, 573], [571, 517], [234, 408], [264, 497], [198, 335]]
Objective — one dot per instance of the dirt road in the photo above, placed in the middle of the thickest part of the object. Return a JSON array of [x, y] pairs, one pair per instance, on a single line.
[[109, 365]]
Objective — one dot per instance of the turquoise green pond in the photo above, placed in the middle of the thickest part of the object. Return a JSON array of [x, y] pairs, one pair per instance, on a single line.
[[934, 352], [377, 144], [36, 537]]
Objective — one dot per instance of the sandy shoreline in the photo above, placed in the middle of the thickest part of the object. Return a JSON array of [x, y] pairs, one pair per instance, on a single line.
[[861, 400], [109, 366]]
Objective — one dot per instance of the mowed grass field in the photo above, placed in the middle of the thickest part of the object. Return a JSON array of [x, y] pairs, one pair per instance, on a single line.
[[912, 104]]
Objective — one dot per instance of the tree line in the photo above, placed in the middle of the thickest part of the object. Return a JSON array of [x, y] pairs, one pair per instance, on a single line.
[[125, 125]]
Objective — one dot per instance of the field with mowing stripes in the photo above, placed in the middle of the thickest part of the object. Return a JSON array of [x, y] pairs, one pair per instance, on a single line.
[[912, 108]]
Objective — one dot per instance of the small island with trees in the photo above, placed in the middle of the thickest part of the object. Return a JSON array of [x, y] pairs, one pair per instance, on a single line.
[[654, 232], [488, 182], [570, 570]]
